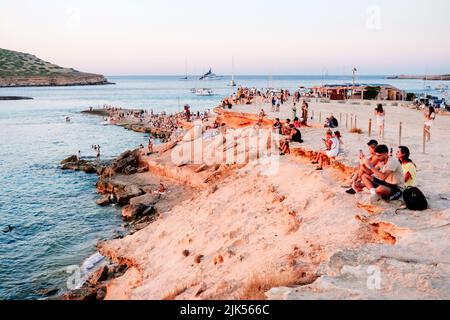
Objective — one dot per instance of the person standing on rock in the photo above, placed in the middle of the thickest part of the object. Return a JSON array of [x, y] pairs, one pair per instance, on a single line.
[[98, 152], [150, 146], [78, 155]]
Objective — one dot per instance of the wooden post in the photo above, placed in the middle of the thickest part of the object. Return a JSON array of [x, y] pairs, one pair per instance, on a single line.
[[400, 134], [320, 117], [356, 126], [424, 138], [312, 116], [346, 120], [370, 127], [351, 121]]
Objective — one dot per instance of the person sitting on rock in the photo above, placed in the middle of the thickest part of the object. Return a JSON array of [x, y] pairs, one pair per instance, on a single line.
[[331, 122], [409, 167], [286, 130], [161, 190], [297, 123], [387, 178], [357, 184], [277, 126], [295, 136], [331, 149]]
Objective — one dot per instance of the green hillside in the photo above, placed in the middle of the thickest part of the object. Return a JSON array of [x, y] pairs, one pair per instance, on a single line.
[[13, 64]]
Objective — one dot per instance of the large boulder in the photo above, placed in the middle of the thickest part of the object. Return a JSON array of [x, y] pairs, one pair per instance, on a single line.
[[130, 170], [127, 161], [104, 200], [132, 212], [81, 294], [69, 159], [98, 276], [140, 206], [124, 194]]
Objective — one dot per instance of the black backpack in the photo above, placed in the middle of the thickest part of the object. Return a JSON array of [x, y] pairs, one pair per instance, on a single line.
[[414, 199]]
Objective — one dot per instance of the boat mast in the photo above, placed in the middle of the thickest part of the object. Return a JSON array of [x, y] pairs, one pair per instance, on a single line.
[[232, 83]]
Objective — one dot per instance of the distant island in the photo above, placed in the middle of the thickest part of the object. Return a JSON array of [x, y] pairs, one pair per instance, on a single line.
[[19, 69], [15, 98], [445, 77]]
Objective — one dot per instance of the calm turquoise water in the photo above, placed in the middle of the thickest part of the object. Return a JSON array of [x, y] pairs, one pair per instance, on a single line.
[[57, 222]]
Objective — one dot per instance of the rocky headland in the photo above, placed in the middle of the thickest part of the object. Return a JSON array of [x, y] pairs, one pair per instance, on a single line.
[[19, 69]]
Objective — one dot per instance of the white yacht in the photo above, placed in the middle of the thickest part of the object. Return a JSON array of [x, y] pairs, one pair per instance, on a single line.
[[204, 92], [442, 87], [210, 76]]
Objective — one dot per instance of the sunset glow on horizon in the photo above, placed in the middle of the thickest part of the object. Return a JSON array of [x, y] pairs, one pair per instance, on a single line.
[[264, 37]]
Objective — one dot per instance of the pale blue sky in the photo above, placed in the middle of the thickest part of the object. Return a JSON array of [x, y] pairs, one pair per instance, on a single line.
[[265, 37]]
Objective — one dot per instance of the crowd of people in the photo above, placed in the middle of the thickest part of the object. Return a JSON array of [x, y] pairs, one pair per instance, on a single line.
[[290, 132]]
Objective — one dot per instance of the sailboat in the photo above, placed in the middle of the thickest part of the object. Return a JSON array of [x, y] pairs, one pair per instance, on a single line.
[[185, 78], [232, 82]]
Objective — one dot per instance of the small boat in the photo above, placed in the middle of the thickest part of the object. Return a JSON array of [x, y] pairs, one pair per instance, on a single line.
[[185, 78], [67, 119], [442, 87], [210, 76], [204, 92]]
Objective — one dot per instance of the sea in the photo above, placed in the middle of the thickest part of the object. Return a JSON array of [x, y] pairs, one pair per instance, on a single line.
[[56, 222]]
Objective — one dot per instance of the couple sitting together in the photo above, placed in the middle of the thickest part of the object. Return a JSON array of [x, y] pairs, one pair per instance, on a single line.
[[333, 142], [382, 174], [291, 131]]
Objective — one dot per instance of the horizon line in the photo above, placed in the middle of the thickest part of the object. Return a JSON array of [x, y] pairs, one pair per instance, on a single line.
[[257, 75]]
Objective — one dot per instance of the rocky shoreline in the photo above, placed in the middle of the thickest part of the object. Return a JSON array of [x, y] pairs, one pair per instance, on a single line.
[[127, 183], [163, 134], [62, 80]]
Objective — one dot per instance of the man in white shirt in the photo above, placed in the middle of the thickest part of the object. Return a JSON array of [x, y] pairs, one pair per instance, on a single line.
[[389, 180]]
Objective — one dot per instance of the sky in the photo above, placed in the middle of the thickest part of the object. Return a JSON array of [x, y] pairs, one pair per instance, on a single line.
[[292, 37]]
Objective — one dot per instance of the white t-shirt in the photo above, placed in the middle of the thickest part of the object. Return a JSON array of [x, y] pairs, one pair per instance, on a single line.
[[334, 150], [397, 177]]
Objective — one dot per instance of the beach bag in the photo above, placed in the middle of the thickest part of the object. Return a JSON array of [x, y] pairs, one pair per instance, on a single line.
[[414, 199]]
